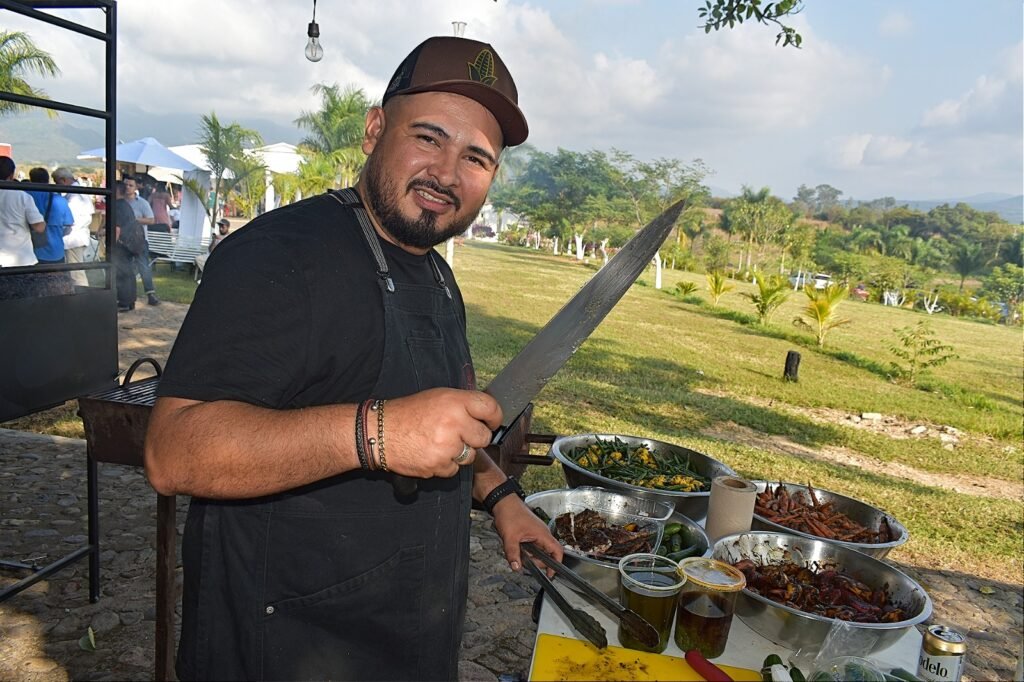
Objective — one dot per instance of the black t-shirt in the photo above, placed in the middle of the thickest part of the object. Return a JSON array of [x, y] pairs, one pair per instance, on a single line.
[[289, 312]]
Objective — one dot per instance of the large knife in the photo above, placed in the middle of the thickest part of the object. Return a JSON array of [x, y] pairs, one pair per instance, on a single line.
[[529, 371]]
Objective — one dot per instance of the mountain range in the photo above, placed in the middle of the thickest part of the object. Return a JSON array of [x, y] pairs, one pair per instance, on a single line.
[[37, 140]]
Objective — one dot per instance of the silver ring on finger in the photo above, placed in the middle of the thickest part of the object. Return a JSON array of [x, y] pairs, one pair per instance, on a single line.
[[464, 455]]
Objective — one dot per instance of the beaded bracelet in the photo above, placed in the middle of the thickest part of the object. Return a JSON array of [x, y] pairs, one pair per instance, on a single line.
[[378, 407]]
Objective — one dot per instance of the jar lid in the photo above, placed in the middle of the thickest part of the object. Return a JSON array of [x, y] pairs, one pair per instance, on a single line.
[[712, 574]]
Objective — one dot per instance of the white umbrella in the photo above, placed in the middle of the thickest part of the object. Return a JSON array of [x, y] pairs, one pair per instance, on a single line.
[[147, 152]]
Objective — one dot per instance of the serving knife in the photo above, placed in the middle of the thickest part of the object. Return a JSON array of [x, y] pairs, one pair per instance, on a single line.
[[515, 386]]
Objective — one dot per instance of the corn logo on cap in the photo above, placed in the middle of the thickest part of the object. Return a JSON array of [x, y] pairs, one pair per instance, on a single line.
[[468, 68]]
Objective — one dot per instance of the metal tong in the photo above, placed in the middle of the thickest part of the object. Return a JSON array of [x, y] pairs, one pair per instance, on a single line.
[[630, 620]]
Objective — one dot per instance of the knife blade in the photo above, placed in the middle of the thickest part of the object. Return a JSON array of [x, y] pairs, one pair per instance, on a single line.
[[531, 369]]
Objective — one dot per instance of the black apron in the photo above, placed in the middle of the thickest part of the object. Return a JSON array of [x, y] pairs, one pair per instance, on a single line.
[[341, 579]]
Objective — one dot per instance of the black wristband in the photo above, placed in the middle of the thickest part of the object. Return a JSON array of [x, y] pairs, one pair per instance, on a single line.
[[510, 486]]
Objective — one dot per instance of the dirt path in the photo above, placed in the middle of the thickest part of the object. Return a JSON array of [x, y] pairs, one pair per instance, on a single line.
[[892, 427]]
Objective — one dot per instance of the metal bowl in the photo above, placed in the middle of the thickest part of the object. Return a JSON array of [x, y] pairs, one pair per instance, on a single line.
[[692, 505], [602, 574], [861, 512], [795, 629]]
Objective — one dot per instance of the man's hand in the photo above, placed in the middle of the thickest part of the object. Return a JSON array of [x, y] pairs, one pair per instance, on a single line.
[[426, 431], [515, 523]]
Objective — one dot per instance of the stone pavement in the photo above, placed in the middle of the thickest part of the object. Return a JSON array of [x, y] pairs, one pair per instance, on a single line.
[[42, 517]]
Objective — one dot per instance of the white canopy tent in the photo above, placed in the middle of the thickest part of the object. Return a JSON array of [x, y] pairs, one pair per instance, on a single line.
[[279, 157]]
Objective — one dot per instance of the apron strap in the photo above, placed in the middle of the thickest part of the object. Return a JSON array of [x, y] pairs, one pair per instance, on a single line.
[[350, 198]]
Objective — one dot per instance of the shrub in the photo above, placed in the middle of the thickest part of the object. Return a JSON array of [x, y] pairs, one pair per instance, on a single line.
[[920, 350], [771, 293], [685, 288], [718, 285], [820, 314]]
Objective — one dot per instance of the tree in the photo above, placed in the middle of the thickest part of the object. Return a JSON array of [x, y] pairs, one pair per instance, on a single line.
[[19, 57], [820, 313], [771, 293], [967, 259], [224, 147], [335, 133], [919, 349], [651, 187], [1005, 284], [338, 123], [717, 14]]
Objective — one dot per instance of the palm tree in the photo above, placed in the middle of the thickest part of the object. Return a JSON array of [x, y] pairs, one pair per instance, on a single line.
[[717, 285], [338, 123], [771, 293], [224, 147], [820, 314], [967, 259], [335, 135], [20, 57]]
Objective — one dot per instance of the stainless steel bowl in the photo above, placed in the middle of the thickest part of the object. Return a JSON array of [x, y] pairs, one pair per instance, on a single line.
[[794, 629], [861, 512], [604, 575], [692, 505]]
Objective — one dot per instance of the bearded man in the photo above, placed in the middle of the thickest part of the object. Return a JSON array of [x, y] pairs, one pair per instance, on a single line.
[[324, 353]]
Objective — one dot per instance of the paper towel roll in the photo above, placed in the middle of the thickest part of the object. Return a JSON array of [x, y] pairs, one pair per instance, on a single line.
[[730, 508]]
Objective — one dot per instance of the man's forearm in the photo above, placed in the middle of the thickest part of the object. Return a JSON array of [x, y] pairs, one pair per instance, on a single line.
[[233, 450], [486, 476]]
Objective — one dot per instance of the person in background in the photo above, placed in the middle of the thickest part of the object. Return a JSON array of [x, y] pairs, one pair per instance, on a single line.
[[127, 231], [160, 201], [57, 216], [19, 217], [223, 228], [82, 210], [144, 216], [324, 353]]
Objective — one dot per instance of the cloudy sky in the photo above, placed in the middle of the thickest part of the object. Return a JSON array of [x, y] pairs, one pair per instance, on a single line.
[[913, 99]]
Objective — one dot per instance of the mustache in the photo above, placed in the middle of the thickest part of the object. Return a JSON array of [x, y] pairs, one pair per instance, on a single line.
[[436, 189]]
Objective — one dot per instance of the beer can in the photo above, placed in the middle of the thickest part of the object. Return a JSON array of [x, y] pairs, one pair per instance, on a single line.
[[942, 655]]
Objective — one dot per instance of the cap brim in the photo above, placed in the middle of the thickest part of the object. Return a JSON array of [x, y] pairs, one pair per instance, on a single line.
[[509, 116]]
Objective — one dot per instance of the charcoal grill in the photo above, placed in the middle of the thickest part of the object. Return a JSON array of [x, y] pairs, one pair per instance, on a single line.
[[115, 423]]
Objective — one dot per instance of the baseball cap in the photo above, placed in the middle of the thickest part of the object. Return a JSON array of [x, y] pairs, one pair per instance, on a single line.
[[468, 68], [224, 221]]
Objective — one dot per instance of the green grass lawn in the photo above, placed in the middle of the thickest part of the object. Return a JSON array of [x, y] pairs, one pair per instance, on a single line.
[[666, 369], [177, 286], [663, 368]]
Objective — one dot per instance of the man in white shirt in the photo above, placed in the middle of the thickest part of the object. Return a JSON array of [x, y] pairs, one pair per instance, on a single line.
[[81, 209], [144, 215], [18, 215]]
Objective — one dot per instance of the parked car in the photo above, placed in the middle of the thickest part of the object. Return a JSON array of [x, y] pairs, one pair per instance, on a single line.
[[819, 280]]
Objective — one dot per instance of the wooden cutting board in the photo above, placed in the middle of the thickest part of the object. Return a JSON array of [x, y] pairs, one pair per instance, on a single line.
[[562, 658]]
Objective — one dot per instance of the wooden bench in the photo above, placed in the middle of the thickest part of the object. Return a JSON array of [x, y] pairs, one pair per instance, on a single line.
[[164, 247]]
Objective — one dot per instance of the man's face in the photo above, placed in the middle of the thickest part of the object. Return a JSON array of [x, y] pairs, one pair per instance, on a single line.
[[432, 158], [130, 189], [223, 229], [63, 181]]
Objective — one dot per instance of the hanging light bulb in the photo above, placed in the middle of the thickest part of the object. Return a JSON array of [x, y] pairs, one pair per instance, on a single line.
[[314, 51]]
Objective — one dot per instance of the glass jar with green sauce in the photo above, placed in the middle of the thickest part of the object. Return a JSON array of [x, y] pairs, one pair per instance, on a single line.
[[706, 604], [649, 585]]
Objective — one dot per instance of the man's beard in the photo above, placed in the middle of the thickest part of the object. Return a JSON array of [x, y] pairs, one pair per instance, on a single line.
[[421, 233]]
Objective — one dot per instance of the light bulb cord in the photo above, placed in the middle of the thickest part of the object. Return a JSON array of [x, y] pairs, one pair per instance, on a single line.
[[314, 10]]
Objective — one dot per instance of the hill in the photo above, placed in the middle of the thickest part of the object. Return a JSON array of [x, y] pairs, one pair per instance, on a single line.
[[38, 140]]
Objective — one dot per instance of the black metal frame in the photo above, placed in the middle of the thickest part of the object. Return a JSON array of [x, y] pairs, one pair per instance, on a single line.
[[34, 320]]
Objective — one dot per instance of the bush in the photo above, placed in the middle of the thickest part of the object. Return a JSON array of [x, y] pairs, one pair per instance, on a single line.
[[771, 293], [685, 288]]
